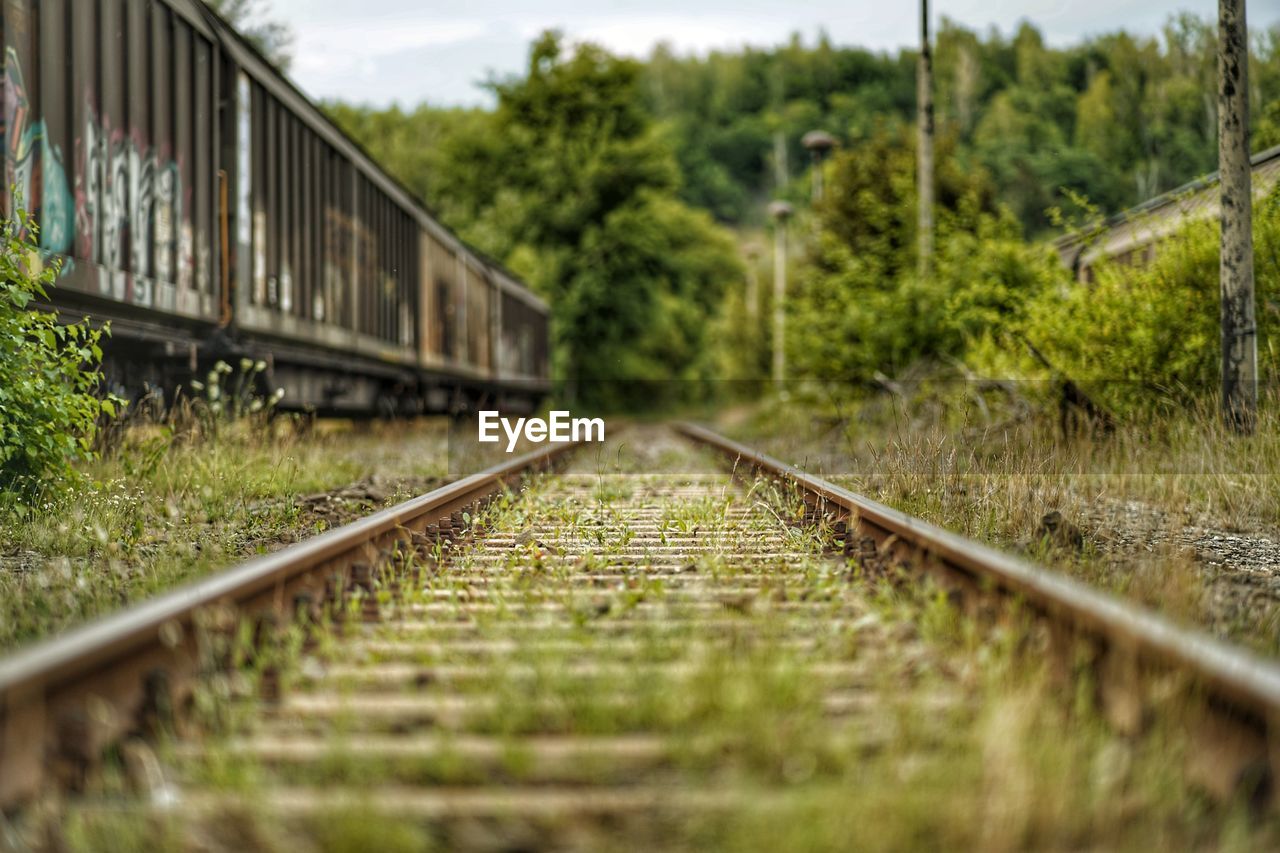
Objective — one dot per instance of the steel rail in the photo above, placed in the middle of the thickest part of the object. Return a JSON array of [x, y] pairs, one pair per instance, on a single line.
[[73, 695], [1243, 681]]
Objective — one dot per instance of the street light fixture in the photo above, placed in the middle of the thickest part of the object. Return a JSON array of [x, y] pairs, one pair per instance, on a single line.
[[819, 143]]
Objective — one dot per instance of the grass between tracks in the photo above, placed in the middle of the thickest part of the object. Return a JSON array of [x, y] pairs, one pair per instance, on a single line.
[[163, 508], [966, 741], [1173, 511]]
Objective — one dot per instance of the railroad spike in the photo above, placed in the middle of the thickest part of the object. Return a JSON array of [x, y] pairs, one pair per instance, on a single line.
[[304, 605], [156, 713], [77, 754], [267, 648], [305, 612], [361, 578]]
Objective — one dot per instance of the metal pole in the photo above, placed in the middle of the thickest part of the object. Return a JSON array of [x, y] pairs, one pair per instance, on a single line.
[[924, 152], [1239, 328], [781, 212], [780, 176], [779, 298]]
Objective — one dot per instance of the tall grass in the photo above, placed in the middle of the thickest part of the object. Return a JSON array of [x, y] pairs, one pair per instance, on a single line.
[[172, 500], [1140, 492]]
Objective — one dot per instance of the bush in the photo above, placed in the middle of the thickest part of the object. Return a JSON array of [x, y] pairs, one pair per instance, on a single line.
[[1144, 336], [48, 376], [1137, 339], [862, 309]]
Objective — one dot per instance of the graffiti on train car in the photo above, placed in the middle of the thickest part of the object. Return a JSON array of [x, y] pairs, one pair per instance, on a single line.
[[128, 201], [33, 164], [125, 209]]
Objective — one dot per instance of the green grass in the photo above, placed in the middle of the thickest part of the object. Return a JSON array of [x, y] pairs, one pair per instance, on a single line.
[[159, 511]]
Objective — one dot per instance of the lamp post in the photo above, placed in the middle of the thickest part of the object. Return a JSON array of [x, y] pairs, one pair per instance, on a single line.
[[819, 143], [752, 253], [781, 212]]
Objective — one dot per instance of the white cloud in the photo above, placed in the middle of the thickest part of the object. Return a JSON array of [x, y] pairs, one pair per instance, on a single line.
[[637, 36], [386, 35]]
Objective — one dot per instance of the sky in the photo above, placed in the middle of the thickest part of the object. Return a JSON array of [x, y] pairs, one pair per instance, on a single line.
[[409, 51]]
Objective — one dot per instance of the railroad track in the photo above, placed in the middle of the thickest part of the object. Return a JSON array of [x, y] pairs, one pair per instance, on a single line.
[[651, 644]]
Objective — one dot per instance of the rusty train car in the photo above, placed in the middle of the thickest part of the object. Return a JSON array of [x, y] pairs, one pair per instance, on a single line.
[[207, 209]]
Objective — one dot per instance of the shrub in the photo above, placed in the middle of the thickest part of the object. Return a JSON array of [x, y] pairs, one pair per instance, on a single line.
[[1149, 336], [861, 309], [49, 410]]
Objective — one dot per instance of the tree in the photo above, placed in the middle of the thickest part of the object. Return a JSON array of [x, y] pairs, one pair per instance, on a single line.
[[274, 39], [581, 197], [572, 184], [861, 306]]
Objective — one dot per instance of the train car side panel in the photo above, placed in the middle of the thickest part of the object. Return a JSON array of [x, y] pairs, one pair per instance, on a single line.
[[108, 129]]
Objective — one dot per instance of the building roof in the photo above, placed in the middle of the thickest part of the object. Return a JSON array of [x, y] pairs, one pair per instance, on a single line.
[[1160, 217]]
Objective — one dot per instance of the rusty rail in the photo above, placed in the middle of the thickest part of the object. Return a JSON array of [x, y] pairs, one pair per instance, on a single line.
[[1243, 688], [64, 701]]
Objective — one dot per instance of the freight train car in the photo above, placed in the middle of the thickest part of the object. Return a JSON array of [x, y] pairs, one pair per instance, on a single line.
[[209, 210]]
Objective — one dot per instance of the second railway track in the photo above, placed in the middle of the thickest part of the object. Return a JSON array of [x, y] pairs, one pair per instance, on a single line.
[[646, 649]]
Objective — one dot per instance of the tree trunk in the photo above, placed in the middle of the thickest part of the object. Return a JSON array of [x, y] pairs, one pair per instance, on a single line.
[[1239, 329], [924, 148]]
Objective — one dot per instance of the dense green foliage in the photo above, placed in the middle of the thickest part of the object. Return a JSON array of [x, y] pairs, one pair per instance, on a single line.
[[1115, 118], [576, 181], [862, 306], [1134, 337], [570, 183], [48, 408], [1150, 334]]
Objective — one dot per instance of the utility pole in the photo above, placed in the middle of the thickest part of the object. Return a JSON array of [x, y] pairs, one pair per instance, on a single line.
[[924, 147], [1239, 328], [781, 212], [819, 143]]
